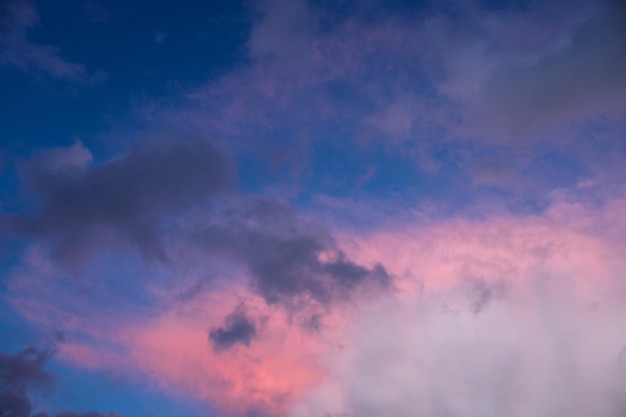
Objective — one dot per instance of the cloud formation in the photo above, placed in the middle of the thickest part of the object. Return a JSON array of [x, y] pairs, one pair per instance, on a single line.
[[540, 355], [577, 74], [440, 83], [17, 17], [169, 188], [125, 199], [403, 209], [503, 315], [237, 328], [19, 374], [506, 316], [287, 256], [23, 373]]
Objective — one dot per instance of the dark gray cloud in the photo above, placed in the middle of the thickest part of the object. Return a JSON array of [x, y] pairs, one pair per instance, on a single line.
[[140, 200], [521, 73], [20, 373], [238, 328], [286, 254], [586, 78], [127, 199], [14, 404]]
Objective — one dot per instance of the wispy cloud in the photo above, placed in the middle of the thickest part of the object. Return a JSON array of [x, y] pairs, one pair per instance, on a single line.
[[380, 209], [17, 18]]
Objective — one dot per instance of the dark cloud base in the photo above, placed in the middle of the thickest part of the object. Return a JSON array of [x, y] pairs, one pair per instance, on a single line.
[[22, 373], [284, 253], [141, 199], [125, 199], [238, 328]]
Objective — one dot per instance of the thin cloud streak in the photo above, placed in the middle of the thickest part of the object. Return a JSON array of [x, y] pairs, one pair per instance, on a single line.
[[17, 18]]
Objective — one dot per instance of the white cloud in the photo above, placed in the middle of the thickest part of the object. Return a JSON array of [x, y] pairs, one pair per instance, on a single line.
[[518, 318]]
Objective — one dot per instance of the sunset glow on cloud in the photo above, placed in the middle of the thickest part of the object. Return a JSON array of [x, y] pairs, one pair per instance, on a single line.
[[313, 209]]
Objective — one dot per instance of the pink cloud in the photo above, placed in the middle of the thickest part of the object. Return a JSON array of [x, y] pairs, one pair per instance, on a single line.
[[173, 349], [265, 376], [539, 296], [503, 316], [85, 356], [570, 239]]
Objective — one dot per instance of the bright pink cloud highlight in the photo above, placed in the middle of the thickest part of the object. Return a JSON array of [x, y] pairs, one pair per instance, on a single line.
[[265, 376], [524, 285]]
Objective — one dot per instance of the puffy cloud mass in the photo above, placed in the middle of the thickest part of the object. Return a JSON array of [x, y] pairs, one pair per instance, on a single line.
[[82, 205], [166, 190], [286, 254], [20, 373], [538, 356], [582, 76], [317, 208], [238, 328], [504, 317]]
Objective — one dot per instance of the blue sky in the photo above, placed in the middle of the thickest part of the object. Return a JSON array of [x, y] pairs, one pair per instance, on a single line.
[[202, 206]]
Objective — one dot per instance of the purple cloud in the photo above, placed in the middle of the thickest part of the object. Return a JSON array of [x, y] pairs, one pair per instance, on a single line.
[[19, 374], [124, 200], [238, 328], [287, 255], [17, 17], [167, 190]]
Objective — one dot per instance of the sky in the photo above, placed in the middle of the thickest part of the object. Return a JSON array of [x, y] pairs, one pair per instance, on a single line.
[[312, 208]]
